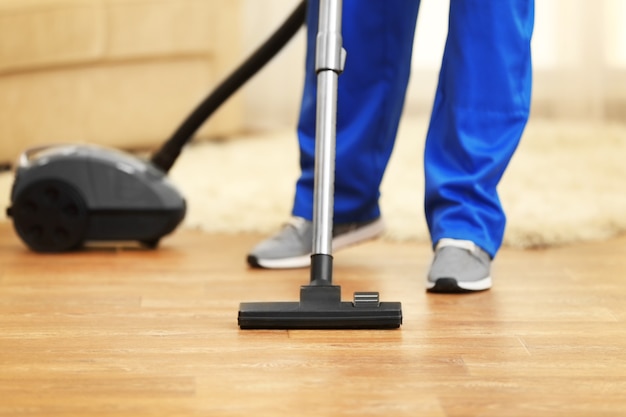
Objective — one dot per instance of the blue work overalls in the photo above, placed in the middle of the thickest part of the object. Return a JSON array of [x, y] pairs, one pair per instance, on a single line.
[[481, 107]]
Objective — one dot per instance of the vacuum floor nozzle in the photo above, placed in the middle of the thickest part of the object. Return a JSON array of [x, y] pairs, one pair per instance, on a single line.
[[320, 307]]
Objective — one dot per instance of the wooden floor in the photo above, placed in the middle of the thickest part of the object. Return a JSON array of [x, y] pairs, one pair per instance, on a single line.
[[131, 332]]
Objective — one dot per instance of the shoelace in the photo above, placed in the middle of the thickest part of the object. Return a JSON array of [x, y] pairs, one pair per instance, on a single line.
[[296, 222], [457, 243]]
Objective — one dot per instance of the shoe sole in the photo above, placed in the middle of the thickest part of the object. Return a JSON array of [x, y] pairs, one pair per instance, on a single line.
[[284, 263], [368, 232], [452, 286]]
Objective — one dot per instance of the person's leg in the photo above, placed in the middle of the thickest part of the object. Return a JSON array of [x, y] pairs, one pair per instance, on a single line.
[[378, 38], [481, 108]]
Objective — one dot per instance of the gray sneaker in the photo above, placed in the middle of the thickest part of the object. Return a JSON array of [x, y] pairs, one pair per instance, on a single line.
[[459, 266], [291, 247]]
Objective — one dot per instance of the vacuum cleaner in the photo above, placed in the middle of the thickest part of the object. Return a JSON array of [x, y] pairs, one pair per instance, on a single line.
[[66, 195], [320, 305]]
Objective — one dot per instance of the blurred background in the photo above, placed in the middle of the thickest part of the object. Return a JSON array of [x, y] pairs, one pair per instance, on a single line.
[[579, 52], [125, 73]]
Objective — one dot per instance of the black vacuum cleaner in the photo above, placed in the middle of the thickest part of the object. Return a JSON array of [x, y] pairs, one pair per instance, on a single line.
[[320, 305], [66, 195]]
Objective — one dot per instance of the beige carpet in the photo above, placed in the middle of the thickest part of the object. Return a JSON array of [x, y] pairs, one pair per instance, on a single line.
[[567, 183]]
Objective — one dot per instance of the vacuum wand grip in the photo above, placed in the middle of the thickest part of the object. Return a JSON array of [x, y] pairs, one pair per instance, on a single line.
[[330, 58]]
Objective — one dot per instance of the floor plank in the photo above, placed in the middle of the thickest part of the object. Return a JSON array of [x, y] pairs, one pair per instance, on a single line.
[[113, 331]]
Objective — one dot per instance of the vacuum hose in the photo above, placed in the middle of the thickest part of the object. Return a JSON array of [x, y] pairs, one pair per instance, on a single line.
[[165, 157]]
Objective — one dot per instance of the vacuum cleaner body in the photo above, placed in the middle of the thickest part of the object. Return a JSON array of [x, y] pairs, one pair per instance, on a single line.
[[66, 195]]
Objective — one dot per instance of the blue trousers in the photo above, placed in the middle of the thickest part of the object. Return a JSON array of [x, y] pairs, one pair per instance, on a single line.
[[481, 107]]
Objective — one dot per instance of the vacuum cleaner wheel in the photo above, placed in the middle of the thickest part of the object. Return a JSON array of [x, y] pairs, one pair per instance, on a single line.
[[50, 216]]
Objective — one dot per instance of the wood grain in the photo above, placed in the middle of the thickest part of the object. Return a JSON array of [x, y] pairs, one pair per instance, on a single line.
[[120, 331]]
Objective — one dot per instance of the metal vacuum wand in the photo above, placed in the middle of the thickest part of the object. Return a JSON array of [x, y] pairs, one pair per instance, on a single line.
[[329, 63]]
